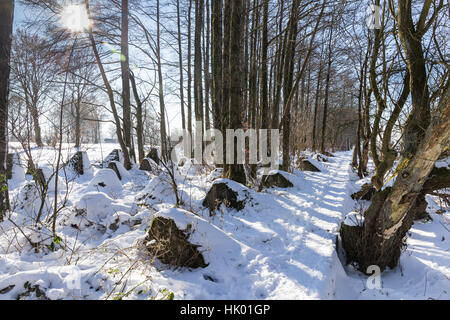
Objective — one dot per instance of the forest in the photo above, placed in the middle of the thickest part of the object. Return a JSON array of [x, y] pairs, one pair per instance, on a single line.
[[224, 149]]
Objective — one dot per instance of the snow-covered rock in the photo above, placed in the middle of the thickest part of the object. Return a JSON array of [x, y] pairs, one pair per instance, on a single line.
[[106, 178]]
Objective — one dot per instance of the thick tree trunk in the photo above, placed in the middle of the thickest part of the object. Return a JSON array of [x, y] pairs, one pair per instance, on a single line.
[[6, 24], [235, 171], [327, 89], [217, 106], [264, 71], [391, 213], [288, 83]]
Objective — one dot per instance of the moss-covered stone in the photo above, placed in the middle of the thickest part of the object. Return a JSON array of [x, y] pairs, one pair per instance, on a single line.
[[153, 154], [166, 242], [221, 193], [145, 165], [277, 180], [306, 165], [115, 155], [76, 163], [113, 166]]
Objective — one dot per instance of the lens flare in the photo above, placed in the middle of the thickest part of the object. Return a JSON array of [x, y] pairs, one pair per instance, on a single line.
[[75, 18]]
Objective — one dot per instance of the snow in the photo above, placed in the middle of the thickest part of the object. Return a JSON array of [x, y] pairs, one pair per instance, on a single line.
[[282, 245], [354, 219]]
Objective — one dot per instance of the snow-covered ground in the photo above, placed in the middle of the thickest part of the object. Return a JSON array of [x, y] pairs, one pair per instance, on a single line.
[[282, 245]]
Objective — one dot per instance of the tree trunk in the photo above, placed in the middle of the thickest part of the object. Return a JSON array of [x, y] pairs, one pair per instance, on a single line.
[[37, 127], [327, 89], [316, 107], [189, 70], [198, 87], [217, 103], [235, 171], [6, 25], [139, 120], [288, 83], [264, 70], [206, 64], [78, 123], [125, 68], [180, 57], [162, 107], [126, 155], [390, 215]]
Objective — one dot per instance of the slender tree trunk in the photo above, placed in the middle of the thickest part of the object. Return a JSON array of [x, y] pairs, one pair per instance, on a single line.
[[37, 127], [206, 64], [198, 87], [110, 92], [6, 24], [189, 71], [180, 57], [125, 68], [162, 107], [78, 122], [139, 119], [316, 107]]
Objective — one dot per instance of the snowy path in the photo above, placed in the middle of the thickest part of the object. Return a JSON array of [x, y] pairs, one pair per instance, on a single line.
[[292, 233]]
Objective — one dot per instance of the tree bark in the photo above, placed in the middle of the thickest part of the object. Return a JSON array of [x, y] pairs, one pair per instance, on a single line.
[[139, 120], [180, 59], [217, 103], [235, 171], [162, 106], [6, 25], [264, 70], [198, 87], [125, 68], [327, 91]]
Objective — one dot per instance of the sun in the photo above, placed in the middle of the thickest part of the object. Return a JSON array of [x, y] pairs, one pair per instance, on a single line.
[[74, 17]]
